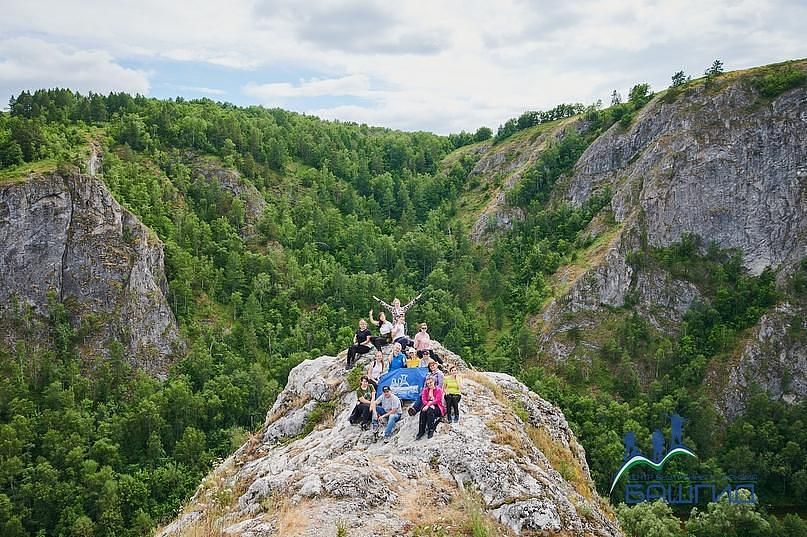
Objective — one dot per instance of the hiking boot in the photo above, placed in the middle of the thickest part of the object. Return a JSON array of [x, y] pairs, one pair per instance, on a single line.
[[431, 433], [386, 439], [419, 436]]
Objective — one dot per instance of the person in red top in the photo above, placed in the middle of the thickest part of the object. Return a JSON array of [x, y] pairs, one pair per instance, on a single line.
[[433, 408]]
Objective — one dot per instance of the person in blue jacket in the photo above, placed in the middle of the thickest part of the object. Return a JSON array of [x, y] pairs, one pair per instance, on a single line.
[[397, 358]]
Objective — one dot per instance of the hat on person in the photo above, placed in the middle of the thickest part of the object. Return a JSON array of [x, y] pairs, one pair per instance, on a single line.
[[410, 350], [385, 389]]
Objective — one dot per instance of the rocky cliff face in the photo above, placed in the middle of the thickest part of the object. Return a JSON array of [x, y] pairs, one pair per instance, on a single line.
[[773, 358], [728, 168], [511, 459], [68, 236], [503, 165], [231, 181], [719, 162]]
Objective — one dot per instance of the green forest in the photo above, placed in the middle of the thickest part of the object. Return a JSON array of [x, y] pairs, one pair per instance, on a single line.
[[98, 449]]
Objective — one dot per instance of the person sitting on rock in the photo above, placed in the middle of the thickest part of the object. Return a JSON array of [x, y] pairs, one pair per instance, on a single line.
[[452, 390], [432, 408], [436, 374], [423, 344], [398, 312], [384, 329], [361, 343], [361, 412], [390, 411], [399, 335], [397, 358], [375, 369]]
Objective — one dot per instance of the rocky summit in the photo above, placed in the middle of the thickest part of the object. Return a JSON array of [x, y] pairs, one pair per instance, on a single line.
[[511, 462]]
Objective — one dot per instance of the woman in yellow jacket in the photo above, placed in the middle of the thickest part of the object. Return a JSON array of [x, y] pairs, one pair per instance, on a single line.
[[452, 390]]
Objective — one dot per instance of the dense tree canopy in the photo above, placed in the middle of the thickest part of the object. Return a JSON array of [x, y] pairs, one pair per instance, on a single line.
[[89, 447]]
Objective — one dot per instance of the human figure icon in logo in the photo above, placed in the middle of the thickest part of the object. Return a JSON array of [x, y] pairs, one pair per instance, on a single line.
[[658, 446], [630, 446], [676, 431]]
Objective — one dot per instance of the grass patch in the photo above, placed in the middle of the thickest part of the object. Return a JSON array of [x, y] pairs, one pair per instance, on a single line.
[[292, 519], [354, 377], [322, 414], [520, 410], [561, 459], [464, 516], [19, 173], [505, 436], [487, 382]]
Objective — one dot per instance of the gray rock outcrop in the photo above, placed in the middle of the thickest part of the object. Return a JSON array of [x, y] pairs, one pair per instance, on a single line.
[[501, 457], [719, 165], [232, 182], [773, 359], [68, 236], [726, 168], [719, 162]]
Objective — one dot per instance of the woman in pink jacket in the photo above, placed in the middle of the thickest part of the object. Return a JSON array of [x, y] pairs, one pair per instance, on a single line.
[[433, 408]]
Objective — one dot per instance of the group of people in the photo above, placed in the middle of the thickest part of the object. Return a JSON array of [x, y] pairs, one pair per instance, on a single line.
[[390, 332], [439, 399]]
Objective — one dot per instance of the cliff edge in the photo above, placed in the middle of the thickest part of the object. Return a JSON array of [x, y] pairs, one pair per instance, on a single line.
[[511, 463]]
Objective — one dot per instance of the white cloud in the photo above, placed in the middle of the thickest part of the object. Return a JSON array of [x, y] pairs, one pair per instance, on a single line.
[[27, 63], [424, 64], [202, 89], [352, 85]]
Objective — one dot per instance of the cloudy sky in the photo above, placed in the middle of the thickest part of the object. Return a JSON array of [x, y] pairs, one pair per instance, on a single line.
[[438, 65]]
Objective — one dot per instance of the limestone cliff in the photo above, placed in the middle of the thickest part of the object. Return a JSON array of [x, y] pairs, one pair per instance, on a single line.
[[511, 459], [65, 234], [718, 161]]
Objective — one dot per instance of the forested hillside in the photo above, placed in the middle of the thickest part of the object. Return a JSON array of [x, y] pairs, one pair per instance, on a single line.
[[278, 228]]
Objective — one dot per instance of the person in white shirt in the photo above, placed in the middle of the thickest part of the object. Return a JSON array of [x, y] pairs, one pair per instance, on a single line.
[[390, 411], [376, 369], [399, 335], [384, 329]]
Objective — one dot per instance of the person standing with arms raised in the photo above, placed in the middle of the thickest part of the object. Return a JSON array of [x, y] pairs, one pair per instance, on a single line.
[[398, 312]]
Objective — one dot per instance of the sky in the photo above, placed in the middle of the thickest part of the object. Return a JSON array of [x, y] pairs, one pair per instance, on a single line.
[[438, 65]]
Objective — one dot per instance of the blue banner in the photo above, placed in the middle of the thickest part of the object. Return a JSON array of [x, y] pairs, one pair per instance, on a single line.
[[405, 382]]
